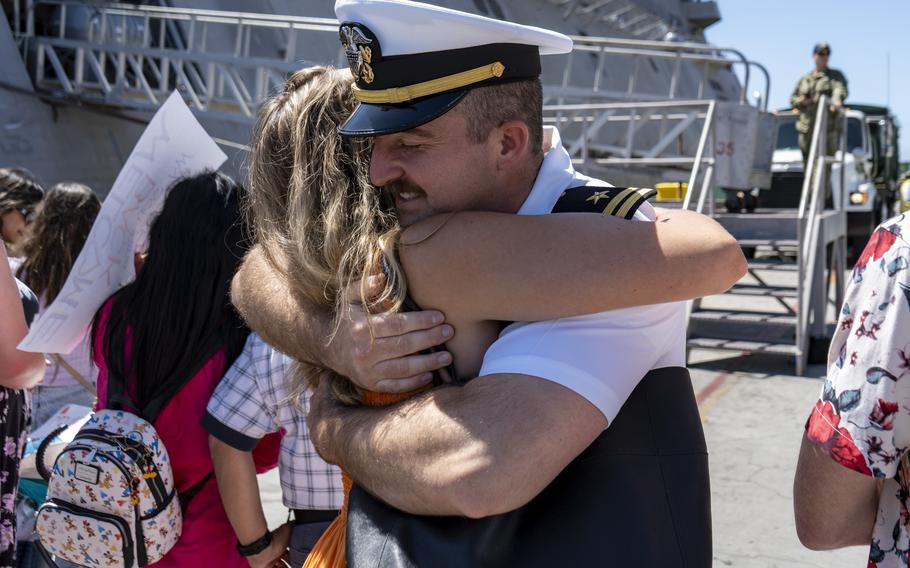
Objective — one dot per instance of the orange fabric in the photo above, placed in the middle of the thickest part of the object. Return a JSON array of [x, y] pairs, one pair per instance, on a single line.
[[329, 551]]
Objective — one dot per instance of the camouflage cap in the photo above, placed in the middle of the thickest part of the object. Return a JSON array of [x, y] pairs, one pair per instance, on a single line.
[[822, 48]]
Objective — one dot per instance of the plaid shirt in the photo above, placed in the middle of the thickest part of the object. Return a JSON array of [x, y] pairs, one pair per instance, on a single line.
[[252, 400]]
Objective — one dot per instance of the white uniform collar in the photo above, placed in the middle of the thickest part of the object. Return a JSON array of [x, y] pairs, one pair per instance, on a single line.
[[556, 175]]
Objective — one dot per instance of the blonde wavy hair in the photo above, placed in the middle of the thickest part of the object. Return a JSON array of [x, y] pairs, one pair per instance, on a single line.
[[313, 210]]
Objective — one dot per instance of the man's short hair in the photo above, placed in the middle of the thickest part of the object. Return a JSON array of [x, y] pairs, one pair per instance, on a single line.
[[488, 107]]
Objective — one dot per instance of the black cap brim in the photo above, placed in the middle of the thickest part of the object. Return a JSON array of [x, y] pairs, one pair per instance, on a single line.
[[378, 120]]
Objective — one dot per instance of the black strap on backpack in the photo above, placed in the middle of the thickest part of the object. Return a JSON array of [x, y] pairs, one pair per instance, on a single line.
[[184, 497], [118, 399]]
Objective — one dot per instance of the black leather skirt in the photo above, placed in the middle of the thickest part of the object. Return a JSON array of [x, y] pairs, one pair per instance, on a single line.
[[639, 495]]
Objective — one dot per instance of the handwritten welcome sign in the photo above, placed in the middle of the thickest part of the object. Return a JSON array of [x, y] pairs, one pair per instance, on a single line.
[[174, 145]]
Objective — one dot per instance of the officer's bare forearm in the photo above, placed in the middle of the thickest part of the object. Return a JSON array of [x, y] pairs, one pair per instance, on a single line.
[[479, 450], [263, 296], [394, 467]]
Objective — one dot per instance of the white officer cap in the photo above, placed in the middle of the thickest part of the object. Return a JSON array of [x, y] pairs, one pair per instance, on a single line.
[[413, 62]]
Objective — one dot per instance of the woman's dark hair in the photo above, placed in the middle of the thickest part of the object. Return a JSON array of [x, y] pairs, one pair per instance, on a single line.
[[61, 226], [178, 312], [19, 189]]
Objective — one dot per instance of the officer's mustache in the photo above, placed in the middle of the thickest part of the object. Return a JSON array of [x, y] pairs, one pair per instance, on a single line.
[[398, 187]]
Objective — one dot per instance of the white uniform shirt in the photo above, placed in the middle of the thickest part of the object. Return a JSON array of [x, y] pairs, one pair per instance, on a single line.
[[603, 356]]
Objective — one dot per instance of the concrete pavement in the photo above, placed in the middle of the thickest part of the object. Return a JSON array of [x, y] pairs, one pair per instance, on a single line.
[[754, 410]]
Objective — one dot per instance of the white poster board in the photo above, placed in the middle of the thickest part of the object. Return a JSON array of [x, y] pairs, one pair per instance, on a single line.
[[174, 145]]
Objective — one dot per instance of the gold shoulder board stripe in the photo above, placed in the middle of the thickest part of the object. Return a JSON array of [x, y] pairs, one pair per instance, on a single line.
[[618, 200], [634, 201], [626, 202]]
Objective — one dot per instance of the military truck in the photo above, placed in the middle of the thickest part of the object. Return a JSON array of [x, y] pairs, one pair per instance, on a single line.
[[870, 175], [884, 130]]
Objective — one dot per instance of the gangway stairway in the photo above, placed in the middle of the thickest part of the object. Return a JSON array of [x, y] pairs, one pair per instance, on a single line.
[[809, 245], [795, 255]]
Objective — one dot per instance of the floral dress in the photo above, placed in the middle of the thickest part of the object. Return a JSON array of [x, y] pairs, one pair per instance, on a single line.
[[14, 421], [862, 418]]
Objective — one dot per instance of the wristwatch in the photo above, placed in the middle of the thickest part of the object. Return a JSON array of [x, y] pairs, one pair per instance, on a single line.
[[257, 546]]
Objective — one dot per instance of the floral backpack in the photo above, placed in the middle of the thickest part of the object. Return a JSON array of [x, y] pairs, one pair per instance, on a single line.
[[111, 499]]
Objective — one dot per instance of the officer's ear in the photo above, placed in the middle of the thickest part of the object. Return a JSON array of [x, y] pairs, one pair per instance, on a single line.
[[513, 138]]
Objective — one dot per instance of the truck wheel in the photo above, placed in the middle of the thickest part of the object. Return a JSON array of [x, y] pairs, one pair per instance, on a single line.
[[885, 212], [750, 202], [734, 201], [818, 350]]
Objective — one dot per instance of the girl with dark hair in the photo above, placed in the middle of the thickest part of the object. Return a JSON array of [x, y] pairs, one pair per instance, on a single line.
[[163, 343], [62, 224], [20, 193]]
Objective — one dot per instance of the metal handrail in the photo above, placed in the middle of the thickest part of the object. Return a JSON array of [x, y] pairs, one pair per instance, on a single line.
[[702, 144], [764, 71], [677, 50], [811, 183], [193, 22], [811, 208], [593, 117], [628, 105], [201, 15]]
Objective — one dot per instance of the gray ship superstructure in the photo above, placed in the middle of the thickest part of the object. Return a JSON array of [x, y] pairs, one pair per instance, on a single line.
[[101, 68]]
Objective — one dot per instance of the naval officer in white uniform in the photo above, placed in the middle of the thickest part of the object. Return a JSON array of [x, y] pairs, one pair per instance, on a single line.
[[598, 358], [566, 380]]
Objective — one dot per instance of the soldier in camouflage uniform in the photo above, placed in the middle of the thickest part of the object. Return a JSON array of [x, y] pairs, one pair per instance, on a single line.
[[820, 81]]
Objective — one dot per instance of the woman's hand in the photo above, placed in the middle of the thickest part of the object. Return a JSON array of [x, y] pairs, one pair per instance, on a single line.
[[384, 360], [382, 352]]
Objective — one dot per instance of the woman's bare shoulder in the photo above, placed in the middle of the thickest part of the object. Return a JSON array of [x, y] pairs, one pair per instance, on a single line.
[[428, 252], [441, 229]]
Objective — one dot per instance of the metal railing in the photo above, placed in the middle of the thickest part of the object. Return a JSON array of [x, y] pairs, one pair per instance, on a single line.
[[134, 56], [707, 59], [812, 287], [621, 14], [608, 135]]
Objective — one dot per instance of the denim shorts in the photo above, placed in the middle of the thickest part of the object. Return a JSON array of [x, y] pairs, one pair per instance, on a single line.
[[46, 401], [303, 539]]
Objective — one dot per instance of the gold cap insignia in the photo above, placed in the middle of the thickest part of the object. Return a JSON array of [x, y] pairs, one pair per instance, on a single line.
[[356, 47]]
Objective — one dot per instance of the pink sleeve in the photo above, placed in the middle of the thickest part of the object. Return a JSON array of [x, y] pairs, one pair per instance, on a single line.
[[98, 355]]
